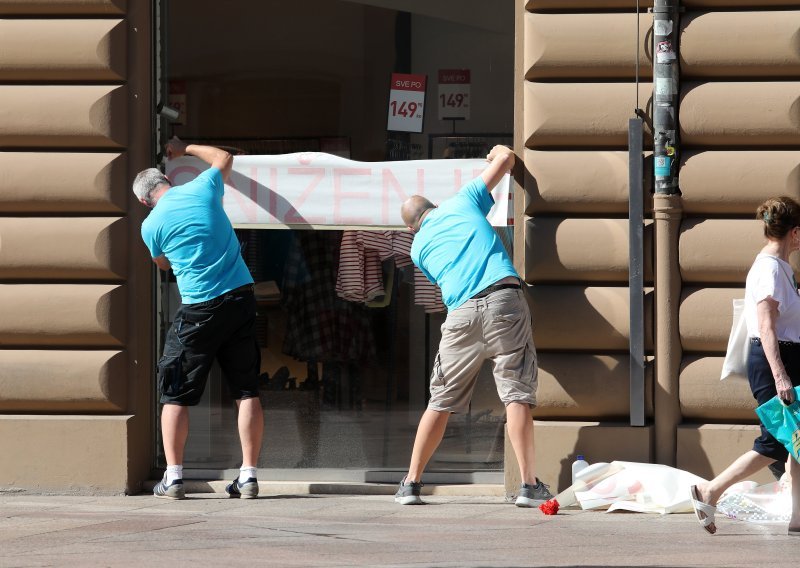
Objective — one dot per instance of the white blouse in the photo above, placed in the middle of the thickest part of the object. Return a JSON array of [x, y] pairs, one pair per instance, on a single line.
[[769, 276]]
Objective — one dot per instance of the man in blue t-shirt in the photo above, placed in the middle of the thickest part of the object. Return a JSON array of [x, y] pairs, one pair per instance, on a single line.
[[488, 319], [189, 232]]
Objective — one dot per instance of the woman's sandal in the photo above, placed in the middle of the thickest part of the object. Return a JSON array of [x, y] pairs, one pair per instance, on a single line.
[[708, 511]]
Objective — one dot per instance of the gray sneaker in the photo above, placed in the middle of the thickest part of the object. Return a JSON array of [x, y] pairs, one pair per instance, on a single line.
[[174, 490], [246, 490], [408, 493], [533, 495]]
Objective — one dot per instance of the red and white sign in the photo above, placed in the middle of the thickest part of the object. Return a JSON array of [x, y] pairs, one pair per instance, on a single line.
[[322, 190], [406, 102], [453, 101]]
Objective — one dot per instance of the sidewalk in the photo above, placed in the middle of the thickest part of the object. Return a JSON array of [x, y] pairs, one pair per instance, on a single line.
[[208, 529]]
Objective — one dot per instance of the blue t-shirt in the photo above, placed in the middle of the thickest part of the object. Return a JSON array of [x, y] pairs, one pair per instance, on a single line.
[[457, 248], [189, 226]]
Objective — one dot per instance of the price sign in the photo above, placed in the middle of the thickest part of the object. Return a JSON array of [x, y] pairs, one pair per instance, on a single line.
[[454, 94], [406, 102]]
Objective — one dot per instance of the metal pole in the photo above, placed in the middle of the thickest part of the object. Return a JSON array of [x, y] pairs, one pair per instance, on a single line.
[[636, 254], [665, 95], [635, 271], [667, 213]]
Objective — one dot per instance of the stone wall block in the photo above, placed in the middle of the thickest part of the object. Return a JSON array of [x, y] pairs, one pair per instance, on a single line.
[[579, 181], [718, 250], [62, 7], [62, 381], [766, 44], [736, 182], [66, 248], [584, 4], [65, 454], [589, 319], [74, 50], [581, 114], [703, 396], [62, 315], [557, 443], [707, 449], [571, 46], [594, 250], [765, 113], [705, 316], [576, 386], [63, 116], [63, 182]]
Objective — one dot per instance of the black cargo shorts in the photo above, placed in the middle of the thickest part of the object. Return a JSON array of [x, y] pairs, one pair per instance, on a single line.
[[223, 329]]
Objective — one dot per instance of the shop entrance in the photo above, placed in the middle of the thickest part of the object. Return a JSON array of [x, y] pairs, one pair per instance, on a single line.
[[343, 381]]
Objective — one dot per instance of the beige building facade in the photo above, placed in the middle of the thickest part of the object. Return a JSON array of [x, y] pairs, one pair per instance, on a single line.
[[75, 125], [78, 340]]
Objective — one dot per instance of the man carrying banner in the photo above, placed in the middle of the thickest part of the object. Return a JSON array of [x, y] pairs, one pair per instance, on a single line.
[[488, 318], [188, 231]]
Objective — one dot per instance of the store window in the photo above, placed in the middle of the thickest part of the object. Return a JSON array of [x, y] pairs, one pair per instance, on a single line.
[[344, 381]]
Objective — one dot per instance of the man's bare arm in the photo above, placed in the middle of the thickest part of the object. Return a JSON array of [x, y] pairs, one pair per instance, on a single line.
[[217, 157], [501, 160], [162, 263]]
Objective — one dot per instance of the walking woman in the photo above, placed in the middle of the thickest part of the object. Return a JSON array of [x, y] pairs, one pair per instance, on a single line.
[[772, 313]]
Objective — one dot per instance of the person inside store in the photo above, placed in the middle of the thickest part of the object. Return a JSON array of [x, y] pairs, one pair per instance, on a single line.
[[188, 231], [772, 315], [488, 318]]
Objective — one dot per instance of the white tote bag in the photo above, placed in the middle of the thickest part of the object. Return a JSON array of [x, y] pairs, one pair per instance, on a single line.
[[738, 344]]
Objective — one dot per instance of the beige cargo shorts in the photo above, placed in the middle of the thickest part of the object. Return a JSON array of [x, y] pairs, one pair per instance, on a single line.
[[498, 328]]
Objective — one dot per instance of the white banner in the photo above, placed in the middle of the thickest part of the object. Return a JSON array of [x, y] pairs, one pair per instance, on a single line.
[[313, 188]]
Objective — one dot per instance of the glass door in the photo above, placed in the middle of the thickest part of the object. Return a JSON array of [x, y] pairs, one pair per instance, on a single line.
[[343, 381]]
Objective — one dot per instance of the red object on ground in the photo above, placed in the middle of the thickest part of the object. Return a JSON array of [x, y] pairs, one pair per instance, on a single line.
[[549, 507]]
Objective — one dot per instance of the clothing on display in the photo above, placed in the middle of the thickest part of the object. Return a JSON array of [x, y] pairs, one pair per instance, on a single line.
[[360, 275], [321, 326]]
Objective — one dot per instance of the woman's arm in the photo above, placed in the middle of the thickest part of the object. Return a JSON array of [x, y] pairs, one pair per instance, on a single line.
[[767, 313]]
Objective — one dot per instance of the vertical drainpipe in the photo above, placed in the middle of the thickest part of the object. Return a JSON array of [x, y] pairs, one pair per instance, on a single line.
[[667, 213]]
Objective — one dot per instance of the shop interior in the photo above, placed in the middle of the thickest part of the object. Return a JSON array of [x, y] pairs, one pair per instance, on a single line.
[[344, 372]]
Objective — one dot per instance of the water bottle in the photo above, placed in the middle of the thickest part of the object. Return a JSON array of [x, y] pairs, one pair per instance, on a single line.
[[577, 466]]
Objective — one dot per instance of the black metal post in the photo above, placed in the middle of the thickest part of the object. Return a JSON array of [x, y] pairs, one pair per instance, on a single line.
[[635, 271], [665, 95]]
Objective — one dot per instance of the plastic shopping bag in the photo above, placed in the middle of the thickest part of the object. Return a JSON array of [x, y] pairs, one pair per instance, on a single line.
[[783, 421]]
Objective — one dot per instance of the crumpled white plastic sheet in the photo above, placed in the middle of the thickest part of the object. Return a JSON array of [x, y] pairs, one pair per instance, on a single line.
[[631, 486], [749, 501], [655, 488]]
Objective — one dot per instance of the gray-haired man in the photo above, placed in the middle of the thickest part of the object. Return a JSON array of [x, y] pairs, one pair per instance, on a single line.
[[188, 231]]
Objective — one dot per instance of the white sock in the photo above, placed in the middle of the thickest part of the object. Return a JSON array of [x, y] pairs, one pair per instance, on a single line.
[[174, 472], [246, 472]]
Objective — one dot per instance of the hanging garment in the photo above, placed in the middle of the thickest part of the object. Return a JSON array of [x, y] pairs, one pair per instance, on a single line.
[[360, 277]]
